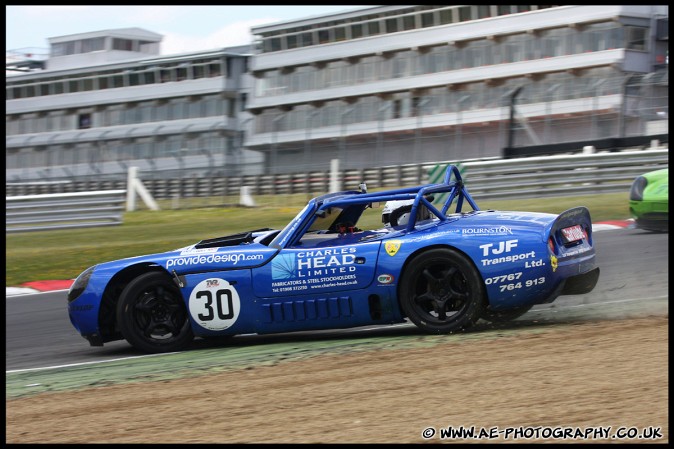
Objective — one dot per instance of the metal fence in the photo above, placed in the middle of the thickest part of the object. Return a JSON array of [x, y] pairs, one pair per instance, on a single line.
[[495, 178], [553, 110], [64, 210]]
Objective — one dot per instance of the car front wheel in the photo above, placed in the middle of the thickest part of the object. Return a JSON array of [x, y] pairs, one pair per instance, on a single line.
[[152, 316], [441, 291]]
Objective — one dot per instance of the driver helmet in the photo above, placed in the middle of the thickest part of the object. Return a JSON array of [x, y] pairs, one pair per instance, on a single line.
[[397, 213]]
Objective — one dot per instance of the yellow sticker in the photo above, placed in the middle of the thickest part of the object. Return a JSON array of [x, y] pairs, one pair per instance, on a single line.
[[553, 263], [392, 247]]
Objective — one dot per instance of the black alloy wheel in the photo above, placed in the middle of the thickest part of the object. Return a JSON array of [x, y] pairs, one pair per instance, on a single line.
[[152, 315], [441, 291]]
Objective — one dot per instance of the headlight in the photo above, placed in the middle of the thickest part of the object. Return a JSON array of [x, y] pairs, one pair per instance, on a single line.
[[637, 190], [80, 284]]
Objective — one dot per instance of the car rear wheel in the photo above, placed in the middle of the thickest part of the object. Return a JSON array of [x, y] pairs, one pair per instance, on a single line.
[[152, 316], [441, 291], [502, 316]]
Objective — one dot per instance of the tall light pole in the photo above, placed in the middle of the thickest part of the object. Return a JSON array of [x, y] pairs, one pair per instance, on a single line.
[[511, 122], [380, 134], [307, 138], [548, 113], [417, 133], [274, 137], [459, 118], [238, 151], [342, 146], [596, 86]]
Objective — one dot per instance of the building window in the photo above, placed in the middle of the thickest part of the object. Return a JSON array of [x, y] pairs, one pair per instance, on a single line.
[[122, 44], [69, 48], [373, 28], [483, 11], [58, 49], [84, 121], [636, 38], [307, 39], [409, 22], [427, 19], [446, 16], [291, 41], [356, 31], [465, 13], [95, 44], [391, 25], [340, 34], [397, 108], [503, 10], [323, 36]]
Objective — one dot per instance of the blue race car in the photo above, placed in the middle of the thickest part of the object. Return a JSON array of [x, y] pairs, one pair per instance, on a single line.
[[340, 263]]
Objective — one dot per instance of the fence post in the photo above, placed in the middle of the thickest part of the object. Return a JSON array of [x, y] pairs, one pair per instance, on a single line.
[[135, 185], [335, 181]]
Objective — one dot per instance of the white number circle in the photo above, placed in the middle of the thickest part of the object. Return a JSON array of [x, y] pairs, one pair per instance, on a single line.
[[214, 304]]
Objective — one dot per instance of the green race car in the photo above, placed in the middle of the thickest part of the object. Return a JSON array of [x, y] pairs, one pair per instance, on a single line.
[[649, 199]]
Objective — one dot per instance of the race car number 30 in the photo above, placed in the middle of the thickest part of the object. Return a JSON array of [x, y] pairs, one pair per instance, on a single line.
[[214, 304]]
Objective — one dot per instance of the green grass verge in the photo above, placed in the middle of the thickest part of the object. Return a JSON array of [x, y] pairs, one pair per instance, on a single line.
[[63, 254]]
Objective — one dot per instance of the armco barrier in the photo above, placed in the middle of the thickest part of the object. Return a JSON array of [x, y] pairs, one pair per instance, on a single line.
[[64, 210], [495, 178]]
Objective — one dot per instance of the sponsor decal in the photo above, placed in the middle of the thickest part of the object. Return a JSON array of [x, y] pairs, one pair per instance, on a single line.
[[534, 263], [501, 279], [553, 262], [310, 269], [192, 251], [505, 246], [490, 249], [283, 267], [385, 278], [392, 247], [572, 212], [214, 304], [510, 258], [82, 308], [527, 284], [233, 258], [575, 252], [495, 230]]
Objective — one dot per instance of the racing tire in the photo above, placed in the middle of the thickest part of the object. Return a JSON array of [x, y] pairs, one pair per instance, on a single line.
[[152, 316], [441, 291], [503, 316]]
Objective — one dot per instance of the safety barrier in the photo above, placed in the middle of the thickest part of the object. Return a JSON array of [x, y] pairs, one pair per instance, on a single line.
[[494, 178], [64, 210]]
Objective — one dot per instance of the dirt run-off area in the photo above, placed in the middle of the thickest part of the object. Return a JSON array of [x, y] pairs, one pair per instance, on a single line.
[[583, 377]]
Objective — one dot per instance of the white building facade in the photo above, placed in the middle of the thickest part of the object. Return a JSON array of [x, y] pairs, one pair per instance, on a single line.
[[407, 84], [107, 100], [371, 87]]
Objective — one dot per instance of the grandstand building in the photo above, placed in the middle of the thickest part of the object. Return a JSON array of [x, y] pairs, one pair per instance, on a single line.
[[370, 86], [105, 100], [400, 84]]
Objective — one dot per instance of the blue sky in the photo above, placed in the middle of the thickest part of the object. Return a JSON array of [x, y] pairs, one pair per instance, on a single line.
[[185, 28]]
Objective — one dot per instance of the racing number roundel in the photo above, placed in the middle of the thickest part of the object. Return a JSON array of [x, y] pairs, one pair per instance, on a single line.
[[214, 304]]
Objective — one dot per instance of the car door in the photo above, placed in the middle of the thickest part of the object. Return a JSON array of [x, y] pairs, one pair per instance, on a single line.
[[319, 265]]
